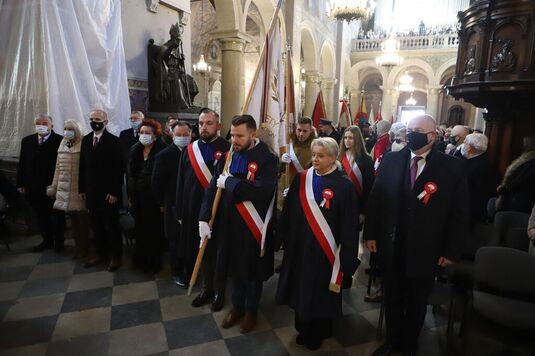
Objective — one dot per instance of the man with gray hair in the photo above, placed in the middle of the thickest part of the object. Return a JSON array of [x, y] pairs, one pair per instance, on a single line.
[[130, 136], [482, 182], [398, 136], [457, 137], [37, 162]]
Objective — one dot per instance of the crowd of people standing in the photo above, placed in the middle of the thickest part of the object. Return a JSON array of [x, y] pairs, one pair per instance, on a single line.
[[413, 192]]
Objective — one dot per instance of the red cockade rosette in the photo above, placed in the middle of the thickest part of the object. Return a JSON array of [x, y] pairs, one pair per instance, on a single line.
[[327, 194], [252, 168], [430, 188]]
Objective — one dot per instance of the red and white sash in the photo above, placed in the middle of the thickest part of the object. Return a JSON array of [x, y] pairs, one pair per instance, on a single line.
[[295, 161], [353, 172], [320, 227], [199, 166], [254, 222]]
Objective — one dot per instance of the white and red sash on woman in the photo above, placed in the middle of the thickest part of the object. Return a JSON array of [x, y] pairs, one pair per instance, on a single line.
[[296, 165], [198, 164], [353, 172], [320, 227]]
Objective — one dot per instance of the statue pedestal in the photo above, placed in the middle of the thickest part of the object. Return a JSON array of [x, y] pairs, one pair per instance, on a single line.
[[190, 115]]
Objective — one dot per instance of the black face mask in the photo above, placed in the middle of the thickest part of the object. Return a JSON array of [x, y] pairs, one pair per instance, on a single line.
[[96, 126], [416, 140], [453, 140]]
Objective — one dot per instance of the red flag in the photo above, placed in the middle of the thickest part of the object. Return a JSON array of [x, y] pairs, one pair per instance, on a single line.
[[319, 111], [378, 116]]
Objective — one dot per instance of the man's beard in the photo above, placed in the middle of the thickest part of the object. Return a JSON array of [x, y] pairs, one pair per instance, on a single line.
[[207, 137], [243, 148]]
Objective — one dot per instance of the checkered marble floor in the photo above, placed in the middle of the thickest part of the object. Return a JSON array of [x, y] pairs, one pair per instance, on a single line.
[[51, 305]]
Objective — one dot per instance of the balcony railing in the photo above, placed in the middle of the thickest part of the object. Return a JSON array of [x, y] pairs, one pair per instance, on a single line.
[[408, 43]]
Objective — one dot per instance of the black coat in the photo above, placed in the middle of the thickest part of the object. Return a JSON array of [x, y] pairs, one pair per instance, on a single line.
[[164, 175], [483, 180], [365, 164], [518, 190], [101, 169], [127, 139], [306, 271], [428, 231], [189, 196], [37, 164], [238, 252]]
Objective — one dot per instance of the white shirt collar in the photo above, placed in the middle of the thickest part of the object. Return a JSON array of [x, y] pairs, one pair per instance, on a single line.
[[98, 135], [44, 137], [423, 155]]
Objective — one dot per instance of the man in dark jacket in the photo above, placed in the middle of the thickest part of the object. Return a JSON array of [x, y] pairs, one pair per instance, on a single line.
[[416, 221], [101, 179], [37, 163], [326, 129], [130, 136], [164, 181]]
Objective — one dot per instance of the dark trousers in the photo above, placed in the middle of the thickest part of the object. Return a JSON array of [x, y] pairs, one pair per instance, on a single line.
[[246, 295], [208, 270], [313, 329], [172, 233], [405, 306], [106, 230], [51, 222]]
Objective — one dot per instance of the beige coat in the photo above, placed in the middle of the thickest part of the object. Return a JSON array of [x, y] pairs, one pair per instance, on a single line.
[[64, 187]]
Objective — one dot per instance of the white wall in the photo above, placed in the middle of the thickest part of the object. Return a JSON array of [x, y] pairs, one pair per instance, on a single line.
[[139, 25]]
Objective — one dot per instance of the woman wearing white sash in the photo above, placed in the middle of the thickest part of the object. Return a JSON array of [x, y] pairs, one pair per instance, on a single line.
[[318, 228]]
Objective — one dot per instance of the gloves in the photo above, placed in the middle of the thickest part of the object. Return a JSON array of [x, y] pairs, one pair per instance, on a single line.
[[286, 158], [285, 192], [204, 232], [221, 181]]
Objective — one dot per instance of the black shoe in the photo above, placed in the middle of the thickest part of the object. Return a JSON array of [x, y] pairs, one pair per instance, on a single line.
[[386, 349], [59, 247], [203, 298], [300, 339], [218, 302], [181, 282], [313, 345], [42, 246]]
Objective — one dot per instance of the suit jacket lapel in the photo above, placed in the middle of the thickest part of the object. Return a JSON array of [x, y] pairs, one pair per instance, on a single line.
[[426, 174]]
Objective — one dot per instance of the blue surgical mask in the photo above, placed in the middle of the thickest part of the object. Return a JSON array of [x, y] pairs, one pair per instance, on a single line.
[[181, 141], [145, 139], [69, 134], [135, 124]]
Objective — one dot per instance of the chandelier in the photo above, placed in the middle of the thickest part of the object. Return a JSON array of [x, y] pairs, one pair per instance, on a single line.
[[405, 83], [201, 66], [350, 10], [410, 101], [390, 56]]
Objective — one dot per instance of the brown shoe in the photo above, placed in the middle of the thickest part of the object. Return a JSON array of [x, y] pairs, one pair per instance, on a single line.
[[248, 323], [93, 261], [231, 319], [115, 264]]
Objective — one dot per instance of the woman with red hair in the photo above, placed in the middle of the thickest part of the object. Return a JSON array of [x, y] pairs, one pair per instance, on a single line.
[[145, 208]]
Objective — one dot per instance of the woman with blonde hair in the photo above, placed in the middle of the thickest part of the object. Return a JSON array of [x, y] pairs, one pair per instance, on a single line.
[[318, 229], [64, 187], [357, 163]]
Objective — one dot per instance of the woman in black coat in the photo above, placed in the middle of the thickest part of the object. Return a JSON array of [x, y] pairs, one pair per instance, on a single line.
[[145, 208]]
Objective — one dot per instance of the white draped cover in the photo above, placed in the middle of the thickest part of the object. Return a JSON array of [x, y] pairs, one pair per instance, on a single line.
[[62, 57]]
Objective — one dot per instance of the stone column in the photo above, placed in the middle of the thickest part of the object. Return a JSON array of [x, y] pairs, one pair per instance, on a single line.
[[388, 103], [311, 91], [354, 101], [328, 97], [432, 102], [232, 79]]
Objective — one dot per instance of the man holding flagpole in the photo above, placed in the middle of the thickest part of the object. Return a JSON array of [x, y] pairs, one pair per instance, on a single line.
[[196, 168], [245, 247]]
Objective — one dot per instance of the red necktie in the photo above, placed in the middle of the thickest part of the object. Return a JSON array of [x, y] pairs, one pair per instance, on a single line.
[[414, 169]]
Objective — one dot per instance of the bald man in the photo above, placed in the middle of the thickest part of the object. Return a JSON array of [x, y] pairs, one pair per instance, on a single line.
[[416, 221], [457, 136]]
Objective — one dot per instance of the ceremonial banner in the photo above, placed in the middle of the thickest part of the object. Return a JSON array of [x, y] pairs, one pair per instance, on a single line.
[[344, 119], [319, 111]]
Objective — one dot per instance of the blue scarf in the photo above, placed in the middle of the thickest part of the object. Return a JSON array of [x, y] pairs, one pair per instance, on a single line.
[[239, 163], [317, 187], [207, 152]]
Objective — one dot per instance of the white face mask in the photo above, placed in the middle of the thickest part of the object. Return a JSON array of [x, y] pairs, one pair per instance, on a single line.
[[464, 150], [41, 130], [69, 134], [398, 146], [181, 141], [145, 139]]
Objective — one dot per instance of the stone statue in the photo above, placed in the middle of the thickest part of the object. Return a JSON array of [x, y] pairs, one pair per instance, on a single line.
[[171, 89], [470, 63], [504, 60]]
